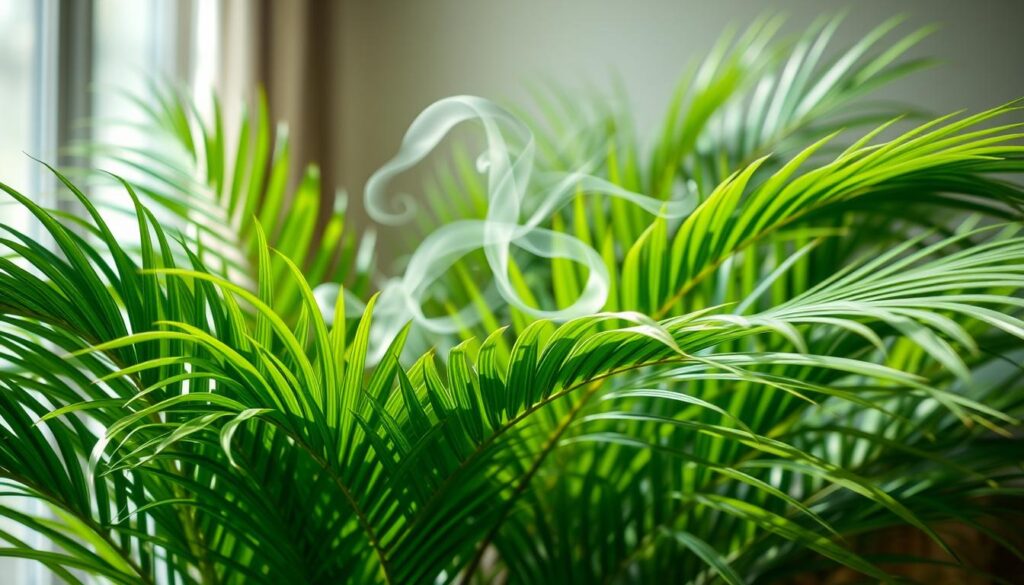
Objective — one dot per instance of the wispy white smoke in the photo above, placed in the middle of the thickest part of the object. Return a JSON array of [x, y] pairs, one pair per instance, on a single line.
[[519, 202]]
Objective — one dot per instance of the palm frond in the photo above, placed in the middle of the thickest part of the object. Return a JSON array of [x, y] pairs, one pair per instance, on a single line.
[[825, 349], [409, 475], [217, 186], [750, 109]]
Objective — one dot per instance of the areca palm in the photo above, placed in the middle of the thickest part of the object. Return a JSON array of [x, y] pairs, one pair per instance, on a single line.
[[793, 350]]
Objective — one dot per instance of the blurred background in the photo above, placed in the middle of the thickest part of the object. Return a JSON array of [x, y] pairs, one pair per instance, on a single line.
[[348, 77]]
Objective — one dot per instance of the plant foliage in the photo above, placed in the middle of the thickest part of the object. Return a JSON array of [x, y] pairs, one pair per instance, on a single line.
[[827, 347]]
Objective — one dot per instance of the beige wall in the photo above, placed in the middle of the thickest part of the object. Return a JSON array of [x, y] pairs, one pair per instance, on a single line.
[[399, 56], [350, 75]]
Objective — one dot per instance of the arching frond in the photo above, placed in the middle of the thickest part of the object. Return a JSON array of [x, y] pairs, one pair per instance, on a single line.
[[218, 180], [825, 351], [229, 450]]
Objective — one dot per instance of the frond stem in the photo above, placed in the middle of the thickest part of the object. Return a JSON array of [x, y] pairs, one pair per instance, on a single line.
[[524, 482]]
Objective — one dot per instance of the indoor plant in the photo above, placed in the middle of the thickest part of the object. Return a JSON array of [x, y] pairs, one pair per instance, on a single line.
[[819, 342]]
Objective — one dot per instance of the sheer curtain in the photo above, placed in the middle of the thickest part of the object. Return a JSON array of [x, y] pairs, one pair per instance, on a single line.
[[294, 50]]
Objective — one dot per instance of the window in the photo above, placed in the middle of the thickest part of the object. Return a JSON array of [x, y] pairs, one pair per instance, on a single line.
[[20, 76], [136, 42], [62, 61]]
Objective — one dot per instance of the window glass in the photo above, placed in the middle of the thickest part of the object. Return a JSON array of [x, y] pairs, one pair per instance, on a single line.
[[130, 50], [137, 43], [17, 61]]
